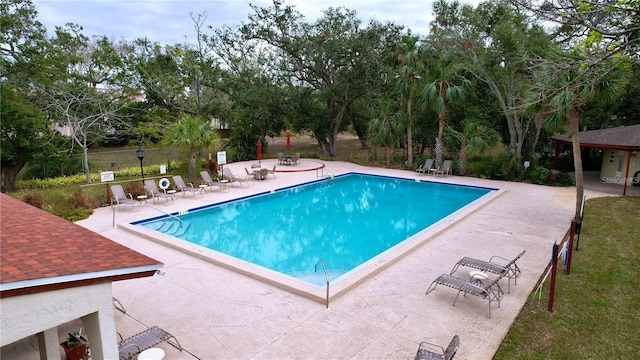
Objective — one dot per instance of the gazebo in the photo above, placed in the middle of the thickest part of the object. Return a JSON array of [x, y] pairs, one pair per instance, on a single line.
[[620, 148]]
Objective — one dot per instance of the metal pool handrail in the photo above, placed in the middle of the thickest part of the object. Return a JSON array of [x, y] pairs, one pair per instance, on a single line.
[[326, 276]]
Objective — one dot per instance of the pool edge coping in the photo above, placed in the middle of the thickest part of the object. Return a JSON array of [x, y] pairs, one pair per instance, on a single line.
[[299, 287]]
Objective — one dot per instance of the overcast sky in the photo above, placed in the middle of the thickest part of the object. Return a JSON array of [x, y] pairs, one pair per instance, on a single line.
[[169, 21]]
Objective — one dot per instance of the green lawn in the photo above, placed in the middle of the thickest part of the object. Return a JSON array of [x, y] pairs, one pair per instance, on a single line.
[[597, 307]]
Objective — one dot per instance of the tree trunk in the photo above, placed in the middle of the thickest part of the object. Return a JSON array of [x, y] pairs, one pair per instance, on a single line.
[[462, 164], [439, 151], [388, 151], [193, 161], [85, 163], [9, 174], [575, 114], [409, 136]]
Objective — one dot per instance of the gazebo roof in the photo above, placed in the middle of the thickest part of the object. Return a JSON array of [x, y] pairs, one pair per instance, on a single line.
[[619, 138], [41, 252]]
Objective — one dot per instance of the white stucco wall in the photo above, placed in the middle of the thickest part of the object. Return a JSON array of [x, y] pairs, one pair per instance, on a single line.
[[27, 315], [614, 166]]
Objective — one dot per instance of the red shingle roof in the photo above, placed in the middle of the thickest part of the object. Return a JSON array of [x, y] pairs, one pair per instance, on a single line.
[[39, 251]]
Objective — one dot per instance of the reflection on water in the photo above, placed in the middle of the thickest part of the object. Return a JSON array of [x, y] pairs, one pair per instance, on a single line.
[[345, 221]]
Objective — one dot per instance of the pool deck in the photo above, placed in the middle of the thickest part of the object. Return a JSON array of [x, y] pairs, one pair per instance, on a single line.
[[216, 313]]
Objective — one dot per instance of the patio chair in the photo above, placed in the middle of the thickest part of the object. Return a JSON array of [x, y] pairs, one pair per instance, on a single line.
[[120, 197], [207, 180], [426, 168], [490, 291], [507, 267], [154, 193], [295, 159], [445, 169], [133, 345], [280, 158], [262, 174], [430, 351], [183, 187], [272, 172]]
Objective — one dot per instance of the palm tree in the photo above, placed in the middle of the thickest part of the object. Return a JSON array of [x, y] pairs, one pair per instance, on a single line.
[[565, 85], [447, 85], [193, 134], [411, 58], [387, 128], [474, 138]]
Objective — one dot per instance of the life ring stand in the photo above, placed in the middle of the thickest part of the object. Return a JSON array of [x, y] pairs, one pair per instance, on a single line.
[[164, 183]]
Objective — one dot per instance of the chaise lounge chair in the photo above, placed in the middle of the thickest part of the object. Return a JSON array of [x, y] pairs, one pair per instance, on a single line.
[[183, 187], [132, 346], [445, 169], [426, 168], [154, 193], [509, 269], [490, 291], [430, 351], [227, 174], [120, 198], [207, 180]]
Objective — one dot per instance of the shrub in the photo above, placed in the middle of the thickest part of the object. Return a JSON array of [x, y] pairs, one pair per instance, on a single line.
[[34, 199], [539, 175], [78, 200], [135, 188]]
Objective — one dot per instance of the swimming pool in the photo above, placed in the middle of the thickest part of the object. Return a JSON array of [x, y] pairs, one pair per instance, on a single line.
[[350, 221]]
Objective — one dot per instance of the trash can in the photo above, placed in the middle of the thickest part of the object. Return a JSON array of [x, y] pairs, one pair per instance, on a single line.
[[554, 175]]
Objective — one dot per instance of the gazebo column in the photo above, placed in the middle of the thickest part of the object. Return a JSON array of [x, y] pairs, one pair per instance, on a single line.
[[626, 175]]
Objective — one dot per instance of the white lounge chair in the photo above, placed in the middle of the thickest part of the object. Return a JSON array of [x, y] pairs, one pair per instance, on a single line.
[[505, 267], [154, 193], [490, 291], [227, 174], [183, 187], [130, 347], [119, 197]]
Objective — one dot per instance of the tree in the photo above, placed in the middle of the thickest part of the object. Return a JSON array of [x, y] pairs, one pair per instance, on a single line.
[[565, 86], [445, 83], [495, 41], [474, 138], [193, 134], [24, 131], [388, 127], [412, 59], [335, 56]]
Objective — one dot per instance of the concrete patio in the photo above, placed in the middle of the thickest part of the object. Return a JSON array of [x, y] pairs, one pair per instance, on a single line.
[[218, 314]]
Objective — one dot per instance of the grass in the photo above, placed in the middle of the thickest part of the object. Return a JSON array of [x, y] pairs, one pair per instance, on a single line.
[[596, 307]]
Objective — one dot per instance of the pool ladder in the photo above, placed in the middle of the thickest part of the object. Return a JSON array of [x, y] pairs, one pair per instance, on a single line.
[[326, 276]]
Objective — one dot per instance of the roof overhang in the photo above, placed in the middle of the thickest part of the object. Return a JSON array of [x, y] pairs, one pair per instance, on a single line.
[[76, 280]]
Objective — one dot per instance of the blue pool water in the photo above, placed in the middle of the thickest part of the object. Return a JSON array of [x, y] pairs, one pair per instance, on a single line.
[[346, 221]]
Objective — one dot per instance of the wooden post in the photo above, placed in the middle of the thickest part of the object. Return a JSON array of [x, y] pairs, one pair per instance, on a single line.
[[109, 194], [570, 247], [554, 269]]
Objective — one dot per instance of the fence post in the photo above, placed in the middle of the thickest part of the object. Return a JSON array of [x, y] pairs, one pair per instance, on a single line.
[[570, 247], [554, 269]]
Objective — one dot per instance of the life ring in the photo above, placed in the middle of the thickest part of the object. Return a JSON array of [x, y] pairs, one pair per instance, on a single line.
[[164, 183]]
